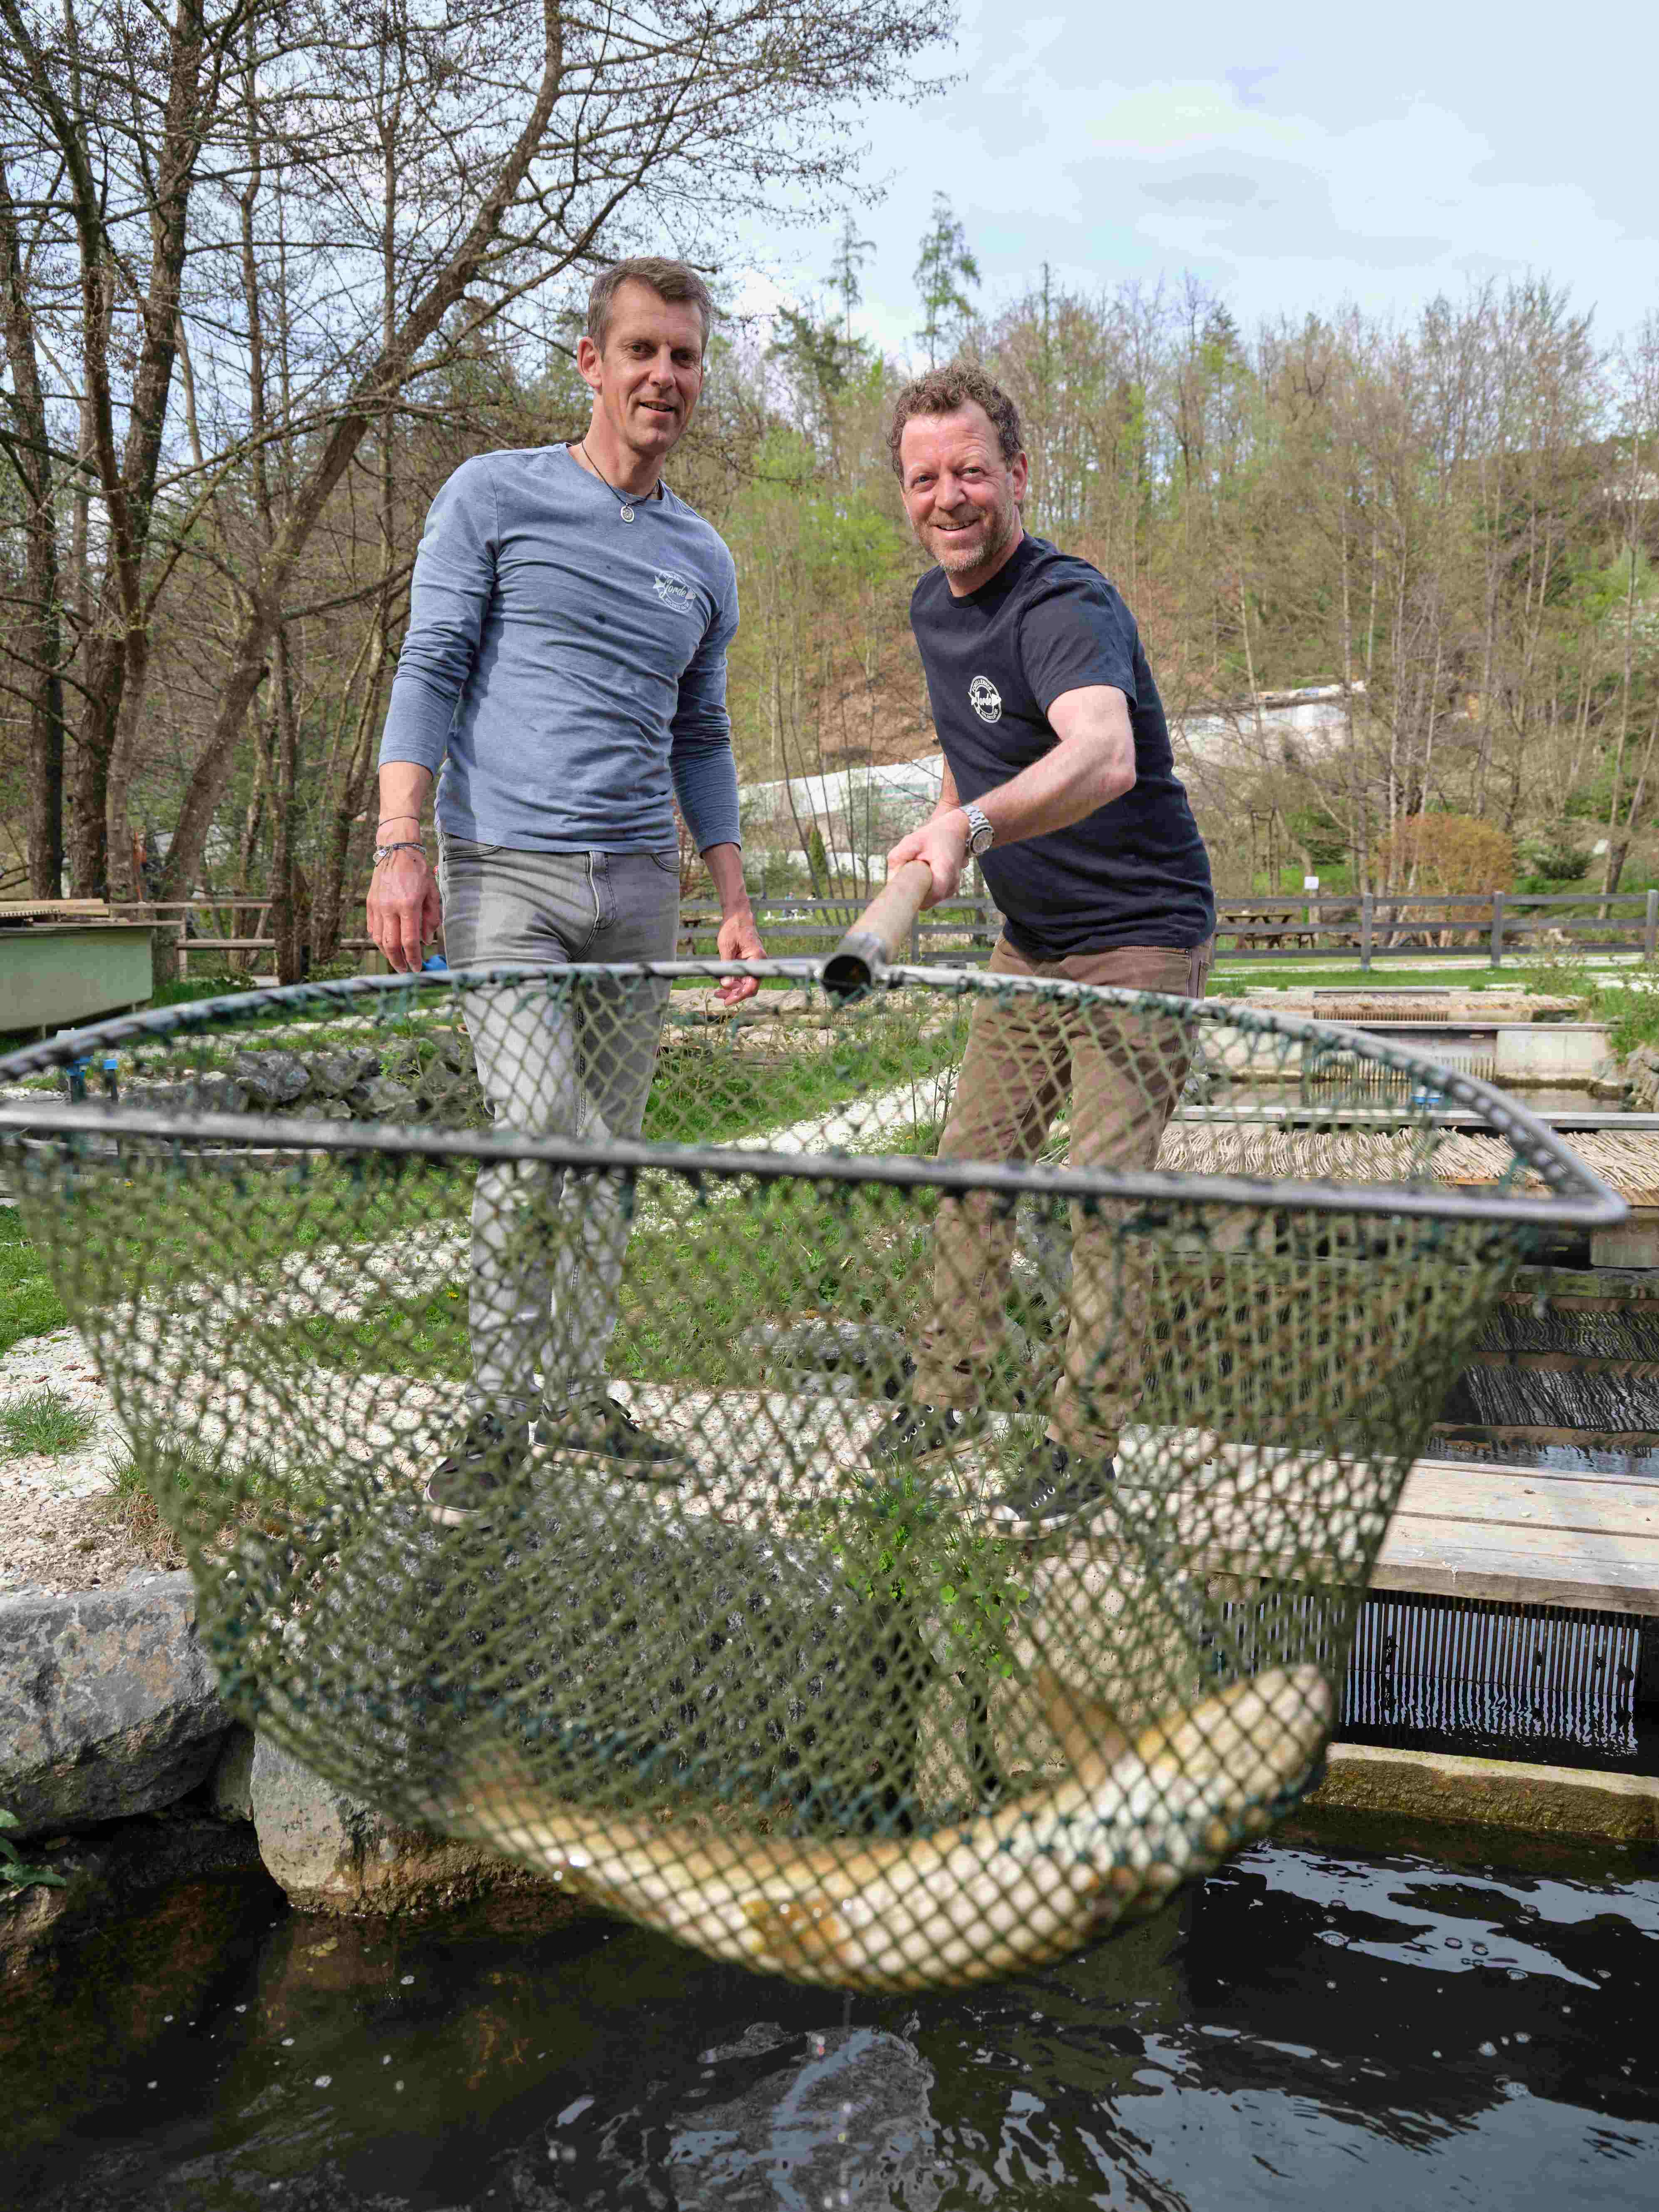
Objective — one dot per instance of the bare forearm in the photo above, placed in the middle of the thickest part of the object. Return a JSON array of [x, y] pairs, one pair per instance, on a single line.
[[725, 864], [403, 911], [404, 785], [1065, 785], [949, 800]]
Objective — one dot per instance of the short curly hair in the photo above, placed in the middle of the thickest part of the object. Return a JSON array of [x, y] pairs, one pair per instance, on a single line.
[[941, 392]]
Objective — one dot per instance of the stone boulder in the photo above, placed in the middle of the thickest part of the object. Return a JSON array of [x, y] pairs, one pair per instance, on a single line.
[[202, 1094], [108, 1706], [334, 1075], [331, 1852], [803, 1355], [384, 1098], [271, 1079]]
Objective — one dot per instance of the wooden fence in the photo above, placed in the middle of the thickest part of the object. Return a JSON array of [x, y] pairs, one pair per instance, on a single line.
[[1365, 928]]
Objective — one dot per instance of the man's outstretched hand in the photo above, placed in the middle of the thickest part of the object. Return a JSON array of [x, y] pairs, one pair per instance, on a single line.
[[403, 910]]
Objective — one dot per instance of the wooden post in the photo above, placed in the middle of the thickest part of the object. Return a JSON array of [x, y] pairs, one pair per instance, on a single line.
[[1651, 928], [1367, 916], [1498, 929]]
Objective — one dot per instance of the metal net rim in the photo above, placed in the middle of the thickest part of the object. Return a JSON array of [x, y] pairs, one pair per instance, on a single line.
[[1578, 1198]]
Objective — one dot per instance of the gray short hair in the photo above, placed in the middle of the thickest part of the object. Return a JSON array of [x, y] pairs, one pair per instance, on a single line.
[[669, 280]]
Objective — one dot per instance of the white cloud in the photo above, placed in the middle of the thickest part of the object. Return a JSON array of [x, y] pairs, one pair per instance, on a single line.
[[1293, 158]]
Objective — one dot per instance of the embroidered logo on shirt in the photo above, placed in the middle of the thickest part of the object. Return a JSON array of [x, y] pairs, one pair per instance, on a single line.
[[985, 699], [670, 585]]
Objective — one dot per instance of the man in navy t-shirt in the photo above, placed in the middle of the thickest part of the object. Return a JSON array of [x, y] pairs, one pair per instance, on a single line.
[[1060, 779]]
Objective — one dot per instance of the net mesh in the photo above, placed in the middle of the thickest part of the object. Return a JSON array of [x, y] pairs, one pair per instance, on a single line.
[[882, 1491]]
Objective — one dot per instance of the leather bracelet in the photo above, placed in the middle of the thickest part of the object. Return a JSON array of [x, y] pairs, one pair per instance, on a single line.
[[408, 844]]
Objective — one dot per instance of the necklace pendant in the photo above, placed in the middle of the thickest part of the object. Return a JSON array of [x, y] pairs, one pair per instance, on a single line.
[[627, 514]]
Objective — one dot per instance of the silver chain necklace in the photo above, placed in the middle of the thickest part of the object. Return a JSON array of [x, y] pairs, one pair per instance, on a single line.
[[621, 498]]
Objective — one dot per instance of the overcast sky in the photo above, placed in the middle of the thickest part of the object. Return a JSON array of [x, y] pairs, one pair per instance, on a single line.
[[1294, 155]]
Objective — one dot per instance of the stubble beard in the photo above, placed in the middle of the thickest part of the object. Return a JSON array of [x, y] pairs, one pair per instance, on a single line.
[[963, 560]]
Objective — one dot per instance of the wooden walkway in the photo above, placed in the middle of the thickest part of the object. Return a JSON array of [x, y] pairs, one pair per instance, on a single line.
[[1518, 1534], [1590, 1541]]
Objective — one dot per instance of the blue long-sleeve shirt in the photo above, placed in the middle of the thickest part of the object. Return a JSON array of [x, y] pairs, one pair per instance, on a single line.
[[565, 666]]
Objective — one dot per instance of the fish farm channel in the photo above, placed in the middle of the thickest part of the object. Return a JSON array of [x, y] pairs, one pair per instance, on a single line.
[[1348, 2010]]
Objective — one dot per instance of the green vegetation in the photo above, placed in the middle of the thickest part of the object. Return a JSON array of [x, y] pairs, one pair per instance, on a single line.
[[712, 1089], [1630, 1008], [904, 1541], [140, 1479], [14, 1872], [689, 1291], [29, 1306], [44, 1421]]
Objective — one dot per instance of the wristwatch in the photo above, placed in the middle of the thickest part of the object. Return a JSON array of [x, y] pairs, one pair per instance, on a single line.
[[980, 835]]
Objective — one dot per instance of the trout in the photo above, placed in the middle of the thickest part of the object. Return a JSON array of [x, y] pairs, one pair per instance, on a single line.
[[1010, 1889]]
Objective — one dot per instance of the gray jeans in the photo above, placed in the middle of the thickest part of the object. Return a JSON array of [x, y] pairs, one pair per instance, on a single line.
[[547, 1243]]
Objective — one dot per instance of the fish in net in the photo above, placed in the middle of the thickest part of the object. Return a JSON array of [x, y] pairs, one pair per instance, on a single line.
[[827, 1479]]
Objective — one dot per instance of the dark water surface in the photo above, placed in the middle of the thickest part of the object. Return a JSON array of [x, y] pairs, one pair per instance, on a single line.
[[1330, 2022]]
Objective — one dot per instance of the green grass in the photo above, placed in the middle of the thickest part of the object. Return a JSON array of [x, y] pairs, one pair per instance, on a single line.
[[1229, 979], [1630, 1008], [44, 1421], [28, 1304], [689, 1291]]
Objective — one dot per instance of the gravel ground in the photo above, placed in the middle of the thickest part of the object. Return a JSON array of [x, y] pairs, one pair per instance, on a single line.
[[60, 1525]]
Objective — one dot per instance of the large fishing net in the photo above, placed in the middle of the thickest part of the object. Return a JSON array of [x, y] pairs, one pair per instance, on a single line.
[[882, 1489]]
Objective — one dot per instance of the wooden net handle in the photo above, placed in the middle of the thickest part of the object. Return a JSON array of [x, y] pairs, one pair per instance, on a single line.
[[873, 941]]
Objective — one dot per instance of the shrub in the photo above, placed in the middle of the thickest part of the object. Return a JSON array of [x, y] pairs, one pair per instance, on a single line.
[[1449, 852], [1554, 859]]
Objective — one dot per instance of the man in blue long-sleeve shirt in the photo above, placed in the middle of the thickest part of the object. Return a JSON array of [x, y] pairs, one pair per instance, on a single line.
[[565, 662]]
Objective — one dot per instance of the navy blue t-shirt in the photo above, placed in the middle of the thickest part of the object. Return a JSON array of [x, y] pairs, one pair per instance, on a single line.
[[1134, 872]]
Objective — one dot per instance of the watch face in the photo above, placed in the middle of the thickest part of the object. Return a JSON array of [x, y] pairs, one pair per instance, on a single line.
[[981, 841]]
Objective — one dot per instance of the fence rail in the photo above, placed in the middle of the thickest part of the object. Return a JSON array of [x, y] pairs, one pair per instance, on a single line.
[[1376, 925]]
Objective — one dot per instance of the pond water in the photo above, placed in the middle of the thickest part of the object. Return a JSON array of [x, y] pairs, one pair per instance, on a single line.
[[1326, 2021]]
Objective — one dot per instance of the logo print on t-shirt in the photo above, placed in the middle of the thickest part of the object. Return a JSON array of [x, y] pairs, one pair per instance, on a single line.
[[670, 585], [985, 699]]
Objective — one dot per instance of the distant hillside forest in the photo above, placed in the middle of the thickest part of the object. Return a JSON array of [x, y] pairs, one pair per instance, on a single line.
[[214, 496]]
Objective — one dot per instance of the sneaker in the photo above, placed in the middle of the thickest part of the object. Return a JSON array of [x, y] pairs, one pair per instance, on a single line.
[[481, 1462], [1061, 1490], [917, 1434], [599, 1433]]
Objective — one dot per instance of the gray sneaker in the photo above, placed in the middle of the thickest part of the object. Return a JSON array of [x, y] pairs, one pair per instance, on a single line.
[[596, 1432], [918, 1434], [486, 1459], [1058, 1490]]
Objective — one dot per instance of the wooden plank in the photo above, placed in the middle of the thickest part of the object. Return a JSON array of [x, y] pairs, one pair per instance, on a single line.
[[1563, 1476], [1452, 1536], [1591, 1578], [1620, 1510]]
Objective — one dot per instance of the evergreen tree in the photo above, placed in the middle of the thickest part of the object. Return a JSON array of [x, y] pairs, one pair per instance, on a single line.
[[944, 266], [846, 280]]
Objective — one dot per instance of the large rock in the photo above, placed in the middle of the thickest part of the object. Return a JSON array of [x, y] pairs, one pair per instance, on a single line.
[[271, 1079], [384, 1098], [203, 1094], [331, 1852], [334, 1073], [793, 1355], [107, 1706]]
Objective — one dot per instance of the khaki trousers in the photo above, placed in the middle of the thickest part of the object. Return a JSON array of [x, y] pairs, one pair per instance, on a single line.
[[1124, 1070]]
